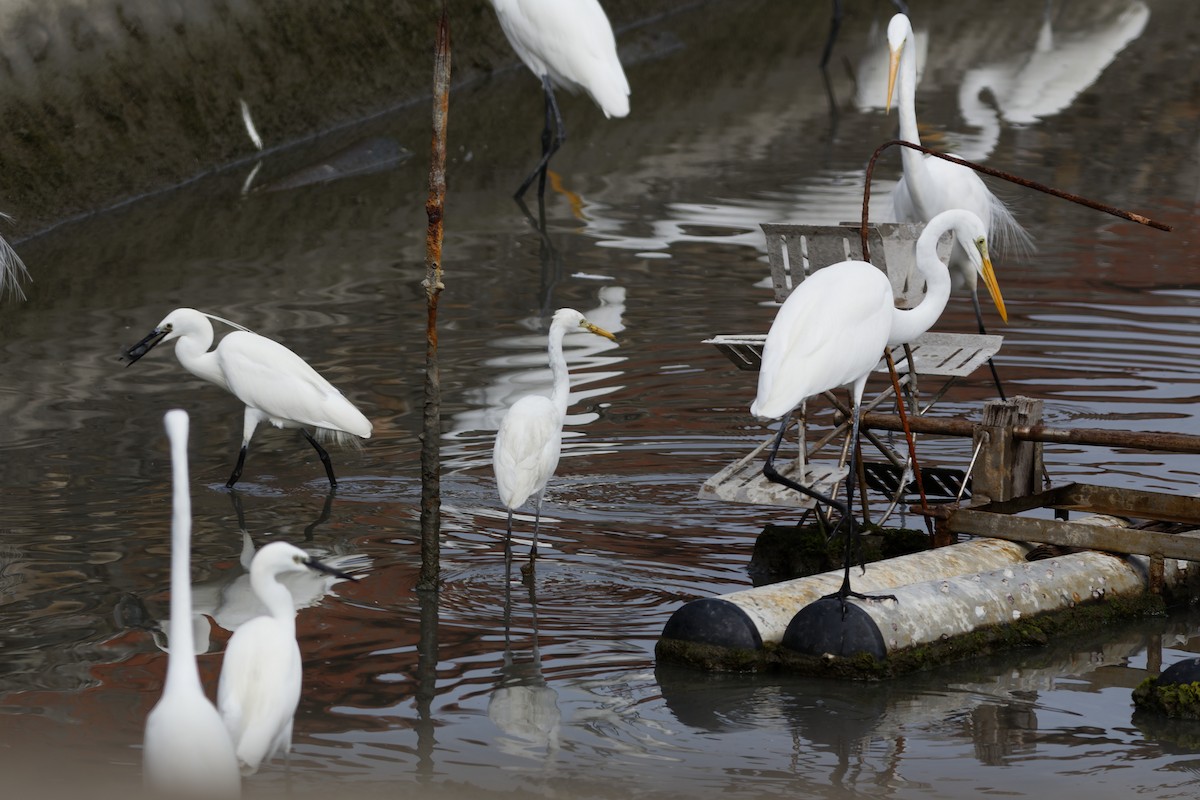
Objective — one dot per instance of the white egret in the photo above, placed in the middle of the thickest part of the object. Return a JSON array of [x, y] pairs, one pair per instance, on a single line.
[[568, 44], [260, 678], [833, 329], [276, 385], [931, 185], [530, 437], [187, 749]]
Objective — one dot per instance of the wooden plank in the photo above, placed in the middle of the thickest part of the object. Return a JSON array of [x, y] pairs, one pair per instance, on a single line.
[[1160, 506], [1184, 546]]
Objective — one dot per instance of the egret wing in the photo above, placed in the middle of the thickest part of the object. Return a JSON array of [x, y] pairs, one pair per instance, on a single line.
[[259, 689], [573, 43], [527, 449], [267, 376], [829, 332]]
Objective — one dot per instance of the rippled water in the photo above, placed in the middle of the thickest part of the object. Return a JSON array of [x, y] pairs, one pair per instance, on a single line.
[[492, 687]]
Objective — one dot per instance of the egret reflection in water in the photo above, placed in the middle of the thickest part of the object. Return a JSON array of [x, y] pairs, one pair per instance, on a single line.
[[523, 705]]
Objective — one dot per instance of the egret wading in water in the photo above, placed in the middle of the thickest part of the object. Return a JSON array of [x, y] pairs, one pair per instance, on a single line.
[[261, 675], [931, 185], [276, 385], [567, 44], [187, 749], [833, 329], [529, 441]]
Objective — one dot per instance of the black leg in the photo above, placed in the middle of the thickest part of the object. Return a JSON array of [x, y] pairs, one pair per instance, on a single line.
[[237, 470], [537, 524], [324, 458], [846, 520], [852, 528], [773, 475], [983, 330], [551, 141], [834, 26]]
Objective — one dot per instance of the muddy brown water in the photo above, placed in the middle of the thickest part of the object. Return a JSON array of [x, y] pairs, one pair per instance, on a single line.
[[554, 690]]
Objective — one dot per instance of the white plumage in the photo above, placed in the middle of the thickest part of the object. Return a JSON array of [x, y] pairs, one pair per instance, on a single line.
[[833, 328], [187, 750], [931, 185], [275, 384], [567, 44], [529, 441], [571, 42], [261, 675]]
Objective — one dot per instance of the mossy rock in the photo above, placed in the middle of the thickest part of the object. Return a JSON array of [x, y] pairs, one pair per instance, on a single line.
[[1177, 700]]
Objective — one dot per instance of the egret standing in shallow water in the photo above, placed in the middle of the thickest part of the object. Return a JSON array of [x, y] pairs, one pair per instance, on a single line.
[[529, 441], [187, 749], [931, 185], [276, 385], [833, 329], [568, 44], [261, 675]]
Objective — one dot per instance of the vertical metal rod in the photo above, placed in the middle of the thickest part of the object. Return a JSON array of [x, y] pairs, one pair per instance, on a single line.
[[912, 444], [431, 434]]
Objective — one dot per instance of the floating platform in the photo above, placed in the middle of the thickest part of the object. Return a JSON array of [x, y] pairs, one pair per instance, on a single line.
[[945, 604]]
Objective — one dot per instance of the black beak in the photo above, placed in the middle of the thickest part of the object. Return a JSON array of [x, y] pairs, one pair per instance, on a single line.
[[141, 348], [312, 563]]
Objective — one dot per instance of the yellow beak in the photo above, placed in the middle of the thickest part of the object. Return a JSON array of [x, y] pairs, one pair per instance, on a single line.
[[989, 280], [893, 68], [596, 329]]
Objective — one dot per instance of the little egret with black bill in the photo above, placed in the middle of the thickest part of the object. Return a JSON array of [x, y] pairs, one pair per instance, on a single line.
[[833, 329], [568, 44], [261, 676], [529, 441], [276, 385], [187, 749]]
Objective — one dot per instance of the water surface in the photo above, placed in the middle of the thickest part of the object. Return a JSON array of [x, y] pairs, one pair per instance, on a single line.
[[492, 687]]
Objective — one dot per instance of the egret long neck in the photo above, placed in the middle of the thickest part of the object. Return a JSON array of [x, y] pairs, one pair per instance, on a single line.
[[192, 351], [275, 596], [908, 324], [181, 662], [906, 107], [558, 369]]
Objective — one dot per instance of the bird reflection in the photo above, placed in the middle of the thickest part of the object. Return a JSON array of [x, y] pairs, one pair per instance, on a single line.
[[228, 599], [523, 705], [1031, 86], [548, 255]]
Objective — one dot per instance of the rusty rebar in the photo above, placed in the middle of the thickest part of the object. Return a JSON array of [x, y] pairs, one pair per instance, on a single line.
[[995, 173], [431, 435]]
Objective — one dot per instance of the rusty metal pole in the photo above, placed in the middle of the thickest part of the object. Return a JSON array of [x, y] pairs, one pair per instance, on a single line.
[[431, 434]]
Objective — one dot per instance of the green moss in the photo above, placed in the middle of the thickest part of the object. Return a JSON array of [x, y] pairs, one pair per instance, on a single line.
[[1175, 700]]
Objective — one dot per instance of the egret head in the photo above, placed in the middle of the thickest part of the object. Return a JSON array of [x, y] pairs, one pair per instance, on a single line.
[[969, 230], [276, 558], [899, 32], [569, 319], [175, 324]]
